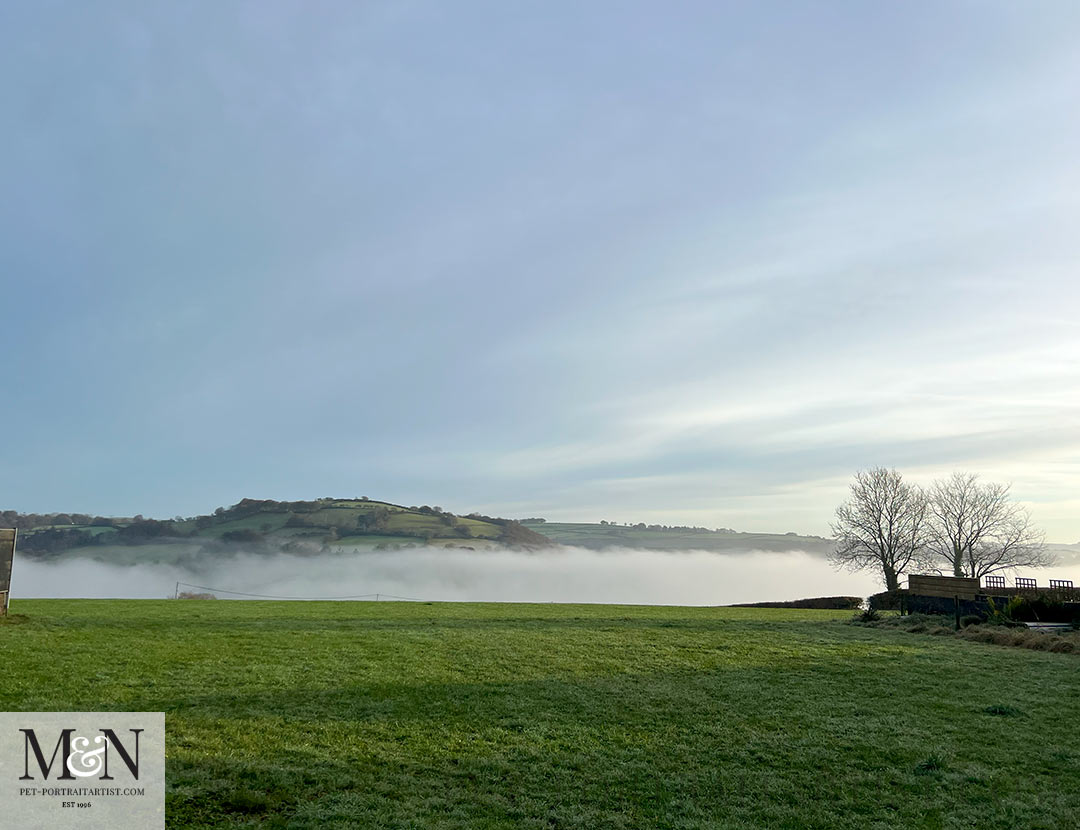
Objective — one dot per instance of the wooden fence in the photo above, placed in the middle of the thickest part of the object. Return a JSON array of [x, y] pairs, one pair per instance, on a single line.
[[7, 553]]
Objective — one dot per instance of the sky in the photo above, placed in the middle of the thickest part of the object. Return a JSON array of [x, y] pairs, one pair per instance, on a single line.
[[689, 263]]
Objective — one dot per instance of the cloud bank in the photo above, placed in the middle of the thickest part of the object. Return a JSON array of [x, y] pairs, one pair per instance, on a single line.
[[697, 270], [559, 575]]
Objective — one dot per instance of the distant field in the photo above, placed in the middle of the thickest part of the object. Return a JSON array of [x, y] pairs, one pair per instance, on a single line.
[[398, 715], [597, 537], [167, 553]]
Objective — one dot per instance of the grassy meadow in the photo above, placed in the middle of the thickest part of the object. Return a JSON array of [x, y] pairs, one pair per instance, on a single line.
[[401, 715], [599, 537]]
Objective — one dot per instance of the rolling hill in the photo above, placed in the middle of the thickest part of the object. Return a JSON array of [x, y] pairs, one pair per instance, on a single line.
[[252, 525], [343, 525]]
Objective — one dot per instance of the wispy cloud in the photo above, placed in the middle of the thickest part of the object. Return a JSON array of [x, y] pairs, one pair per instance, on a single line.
[[698, 266]]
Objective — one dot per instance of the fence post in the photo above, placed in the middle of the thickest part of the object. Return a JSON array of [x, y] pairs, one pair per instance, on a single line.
[[7, 560]]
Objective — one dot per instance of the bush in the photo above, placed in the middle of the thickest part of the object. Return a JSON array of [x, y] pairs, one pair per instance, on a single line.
[[886, 601], [1038, 608], [831, 603], [1002, 616], [970, 619], [1022, 638]]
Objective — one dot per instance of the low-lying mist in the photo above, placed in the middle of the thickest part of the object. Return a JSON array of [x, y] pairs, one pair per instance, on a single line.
[[564, 574]]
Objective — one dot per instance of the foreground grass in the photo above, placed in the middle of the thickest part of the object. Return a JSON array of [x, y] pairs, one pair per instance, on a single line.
[[388, 715], [1060, 641]]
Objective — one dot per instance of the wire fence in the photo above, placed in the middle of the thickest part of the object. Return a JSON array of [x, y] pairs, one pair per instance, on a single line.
[[371, 597]]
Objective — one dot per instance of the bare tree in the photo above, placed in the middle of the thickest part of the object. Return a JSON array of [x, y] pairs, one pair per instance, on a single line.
[[977, 529], [882, 526]]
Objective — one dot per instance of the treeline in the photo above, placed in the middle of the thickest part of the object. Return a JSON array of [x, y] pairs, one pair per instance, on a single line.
[[29, 521], [250, 507], [832, 603], [673, 528], [56, 539]]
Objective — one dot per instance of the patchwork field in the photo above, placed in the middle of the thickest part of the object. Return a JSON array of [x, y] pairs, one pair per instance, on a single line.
[[397, 715], [640, 536]]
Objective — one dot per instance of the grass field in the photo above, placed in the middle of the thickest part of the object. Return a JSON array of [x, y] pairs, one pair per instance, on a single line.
[[397, 715], [598, 537]]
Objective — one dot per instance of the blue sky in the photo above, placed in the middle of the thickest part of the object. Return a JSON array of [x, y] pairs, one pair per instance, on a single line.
[[691, 263]]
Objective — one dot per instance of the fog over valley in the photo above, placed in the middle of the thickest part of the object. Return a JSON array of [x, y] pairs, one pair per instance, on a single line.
[[564, 574]]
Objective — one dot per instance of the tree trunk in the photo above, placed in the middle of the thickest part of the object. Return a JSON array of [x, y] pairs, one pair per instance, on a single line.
[[892, 582]]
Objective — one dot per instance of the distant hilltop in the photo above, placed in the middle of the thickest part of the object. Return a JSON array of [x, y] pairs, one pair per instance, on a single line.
[[330, 524], [265, 524]]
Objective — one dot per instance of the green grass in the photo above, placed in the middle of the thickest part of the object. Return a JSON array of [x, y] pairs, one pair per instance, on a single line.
[[398, 715], [480, 529], [264, 522], [167, 552]]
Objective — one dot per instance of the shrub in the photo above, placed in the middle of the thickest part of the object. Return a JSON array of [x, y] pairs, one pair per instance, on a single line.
[[920, 619], [1037, 608], [833, 603], [1022, 638], [885, 601], [1002, 616], [970, 619]]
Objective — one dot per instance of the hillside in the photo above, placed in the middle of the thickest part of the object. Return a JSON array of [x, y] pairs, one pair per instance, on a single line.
[[1066, 554], [660, 537], [301, 527], [344, 525]]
